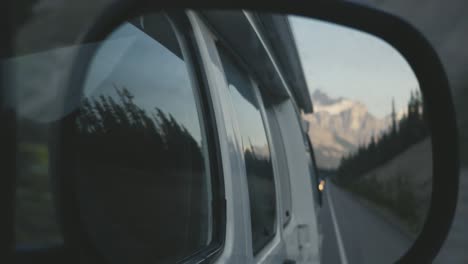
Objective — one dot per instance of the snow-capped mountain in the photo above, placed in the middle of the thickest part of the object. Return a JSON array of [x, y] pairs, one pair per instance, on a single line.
[[339, 125]]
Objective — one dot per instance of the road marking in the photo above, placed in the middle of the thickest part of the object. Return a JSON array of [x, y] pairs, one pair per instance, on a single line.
[[344, 259]]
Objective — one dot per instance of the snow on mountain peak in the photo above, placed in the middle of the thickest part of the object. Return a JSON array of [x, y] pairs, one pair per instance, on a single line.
[[320, 97], [339, 125], [324, 103], [338, 107]]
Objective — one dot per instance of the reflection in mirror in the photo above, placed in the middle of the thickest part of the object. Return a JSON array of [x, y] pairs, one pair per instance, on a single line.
[[142, 158], [143, 163], [371, 142]]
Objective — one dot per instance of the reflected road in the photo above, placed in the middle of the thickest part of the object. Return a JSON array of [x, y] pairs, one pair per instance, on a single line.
[[365, 236]]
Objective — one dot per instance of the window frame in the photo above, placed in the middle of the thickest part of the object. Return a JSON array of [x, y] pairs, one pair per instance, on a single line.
[[188, 45], [72, 229], [284, 182], [276, 181], [274, 241]]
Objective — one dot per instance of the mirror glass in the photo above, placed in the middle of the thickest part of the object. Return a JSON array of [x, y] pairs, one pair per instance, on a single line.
[[371, 142], [183, 130]]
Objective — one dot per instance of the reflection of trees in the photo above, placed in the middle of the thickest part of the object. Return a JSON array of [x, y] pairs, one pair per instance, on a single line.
[[409, 130], [261, 195], [360, 172], [258, 163], [120, 132], [144, 173]]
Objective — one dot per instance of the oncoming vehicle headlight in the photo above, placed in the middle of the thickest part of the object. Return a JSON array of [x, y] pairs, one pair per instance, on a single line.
[[321, 185]]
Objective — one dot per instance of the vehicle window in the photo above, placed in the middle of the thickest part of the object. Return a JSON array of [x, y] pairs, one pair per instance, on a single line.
[[284, 184], [144, 186], [256, 152], [140, 161]]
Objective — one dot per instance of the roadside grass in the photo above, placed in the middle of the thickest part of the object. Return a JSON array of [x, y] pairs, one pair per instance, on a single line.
[[397, 198]]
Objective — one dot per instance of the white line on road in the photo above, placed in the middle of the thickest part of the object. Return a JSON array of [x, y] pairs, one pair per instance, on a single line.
[[344, 259]]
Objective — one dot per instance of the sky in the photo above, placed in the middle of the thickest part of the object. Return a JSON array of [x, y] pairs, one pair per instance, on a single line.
[[344, 62], [152, 73]]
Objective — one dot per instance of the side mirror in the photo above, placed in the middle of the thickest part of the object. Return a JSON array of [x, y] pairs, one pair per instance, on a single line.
[[79, 128]]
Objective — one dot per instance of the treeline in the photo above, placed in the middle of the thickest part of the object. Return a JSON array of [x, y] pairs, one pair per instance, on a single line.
[[258, 164], [120, 132], [410, 129], [326, 172]]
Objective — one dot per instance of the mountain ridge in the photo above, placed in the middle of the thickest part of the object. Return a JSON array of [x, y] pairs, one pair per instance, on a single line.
[[339, 126]]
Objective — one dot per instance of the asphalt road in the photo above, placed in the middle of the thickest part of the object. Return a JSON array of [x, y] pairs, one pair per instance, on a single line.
[[355, 234]]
